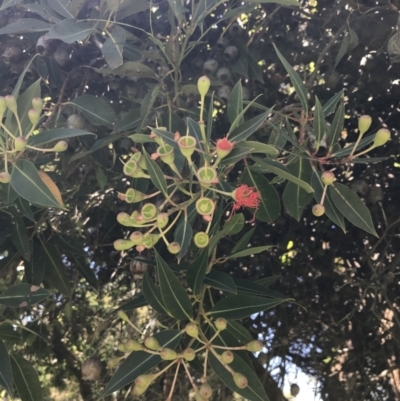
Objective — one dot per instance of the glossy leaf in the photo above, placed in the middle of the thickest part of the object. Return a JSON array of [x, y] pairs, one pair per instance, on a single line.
[[259, 147], [297, 82], [19, 237], [243, 241], [70, 30], [245, 286], [197, 271], [194, 130], [22, 295], [235, 106], [270, 205], [6, 375], [349, 147], [152, 294], [249, 251], [183, 236], [129, 69], [156, 174], [282, 171], [330, 208], [167, 137], [56, 134], [221, 281], [231, 227], [55, 270], [26, 379], [243, 131], [319, 122], [140, 362], [25, 209], [34, 270], [68, 244], [241, 65], [235, 307], [344, 46], [337, 126], [136, 302], [239, 332], [294, 197], [129, 121], [96, 110], [236, 155], [267, 281], [254, 390], [330, 105], [83, 266], [113, 47], [210, 117], [352, 207], [174, 295], [60, 7], [294, 3], [147, 105], [25, 25]]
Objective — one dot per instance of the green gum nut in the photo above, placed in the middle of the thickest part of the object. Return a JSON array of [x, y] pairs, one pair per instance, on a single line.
[[207, 176], [192, 330], [221, 323], [240, 380], [60, 146], [205, 206], [166, 153], [113, 362], [187, 146], [152, 343], [201, 239], [138, 158], [149, 211], [162, 220], [255, 346], [124, 219], [189, 354], [149, 240], [33, 116], [328, 178], [227, 357], [132, 345], [205, 391], [381, 137], [37, 104], [174, 248], [132, 169], [203, 85], [133, 196], [137, 218], [122, 315], [20, 144], [11, 103], [168, 354], [123, 244], [5, 177], [136, 237], [364, 122], [3, 105]]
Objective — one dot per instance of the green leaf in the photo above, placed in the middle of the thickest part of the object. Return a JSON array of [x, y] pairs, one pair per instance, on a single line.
[[235, 307], [194, 130], [134, 303], [349, 147], [296, 81], [129, 69], [239, 331], [254, 391], [83, 266], [241, 65], [329, 106], [152, 294], [294, 197], [68, 244], [342, 50], [71, 30], [281, 171], [174, 295], [210, 116], [22, 295], [147, 105], [113, 47], [249, 251], [319, 122], [243, 131], [236, 155], [267, 281], [231, 227], [156, 174], [337, 126], [245, 286], [34, 270], [9, 3], [129, 121], [167, 136], [19, 237], [294, 3], [140, 362], [6, 375], [27, 183], [25, 209], [96, 110], [352, 207], [75, 6], [243, 241], [255, 70], [204, 7], [26, 379], [235, 106], [270, 205], [330, 209], [197, 271], [59, 6], [221, 281], [101, 178], [55, 270], [183, 236], [25, 25], [258, 147], [56, 134]]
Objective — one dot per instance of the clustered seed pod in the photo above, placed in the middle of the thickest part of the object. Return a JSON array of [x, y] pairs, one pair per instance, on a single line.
[[210, 67], [224, 92], [227, 357], [240, 380], [189, 354], [224, 75], [328, 178], [318, 210], [152, 343], [12, 54], [205, 391], [255, 346], [231, 53], [192, 330]]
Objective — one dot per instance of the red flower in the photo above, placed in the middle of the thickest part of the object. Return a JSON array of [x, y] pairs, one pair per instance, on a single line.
[[224, 144], [246, 196]]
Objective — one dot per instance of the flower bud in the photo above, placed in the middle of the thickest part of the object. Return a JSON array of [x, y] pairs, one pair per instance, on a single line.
[[134, 196], [198, 397], [192, 330], [240, 380], [174, 248], [168, 354], [205, 391], [255, 346], [3, 106], [124, 219], [60, 146], [318, 210], [123, 244], [20, 144], [132, 345], [37, 104], [224, 146], [152, 343], [113, 362], [327, 178], [137, 219], [123, 316], [140, 248], [187, 145], [381, 137], [227, 357], [149, 211], [189, 354], [144, 380], [33, 116], [162, 220], [221, 323], [207, 176], [364, 122], [136, 237], [11, 103], [205, 206], [166, 153], [5, 177], [203, 85], [201, 239]]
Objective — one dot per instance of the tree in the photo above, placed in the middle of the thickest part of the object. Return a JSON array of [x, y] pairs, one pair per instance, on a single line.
[[112, 128]]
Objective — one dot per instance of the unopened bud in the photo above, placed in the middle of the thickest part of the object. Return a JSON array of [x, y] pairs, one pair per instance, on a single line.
[[227, 357], [192, 330], [318, 210], [33, 116], [20, 144], [198, 397], [240, 380], [364, 122], [174, 248], [255, 346], [187, 145], [113, 362], [142, 383], [203, 85], [123, 316], [124, 219], [152, 343], [168, 354], [221, 323], [60, 146], [205, 391], [37, 104], [162, 220], [189, 354], [11, 103], [381, 137], [328, 178], [123, 244], [149, 240], [136, 237], [132, 345], [5, 177], [166, 153]]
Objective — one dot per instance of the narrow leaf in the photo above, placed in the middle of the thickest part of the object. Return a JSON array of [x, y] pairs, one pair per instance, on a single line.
[[25, 25], [6, 375], [249, 251], [243, 131], [197, 271], [83, 266], [152, 294], [22, 295], [221, 281], [330, 105], [113, 47], [235, 105], [337, 126], [156, 174], [19, 237], [71, 30], [56, 134], [319, 122], [183, 236], [243, 241]]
